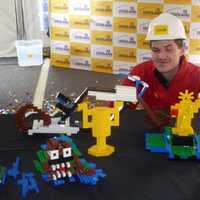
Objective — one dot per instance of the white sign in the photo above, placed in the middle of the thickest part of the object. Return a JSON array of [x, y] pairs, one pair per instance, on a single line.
[[124, 40], [101, 23], [60, 47], [100, 51], [124, 9], [80, 35]]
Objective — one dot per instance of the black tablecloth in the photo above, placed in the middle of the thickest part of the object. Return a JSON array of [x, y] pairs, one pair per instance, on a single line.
[[132, 172]]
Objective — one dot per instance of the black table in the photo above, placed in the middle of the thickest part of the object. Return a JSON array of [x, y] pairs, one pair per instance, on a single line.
[[132, 172]]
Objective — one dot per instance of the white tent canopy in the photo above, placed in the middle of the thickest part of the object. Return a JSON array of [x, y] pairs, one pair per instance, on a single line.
[[19, 19]]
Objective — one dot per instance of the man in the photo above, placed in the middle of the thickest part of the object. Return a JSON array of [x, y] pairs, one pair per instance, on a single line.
[[168, 72]]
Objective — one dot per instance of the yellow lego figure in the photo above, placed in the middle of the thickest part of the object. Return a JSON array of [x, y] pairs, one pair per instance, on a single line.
[[100, 119], [186, 109]]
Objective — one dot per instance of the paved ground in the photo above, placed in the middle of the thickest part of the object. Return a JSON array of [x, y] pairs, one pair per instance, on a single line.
[[18, 84]]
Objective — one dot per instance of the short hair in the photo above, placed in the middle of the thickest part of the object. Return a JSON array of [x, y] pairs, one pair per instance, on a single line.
[[179, 42]]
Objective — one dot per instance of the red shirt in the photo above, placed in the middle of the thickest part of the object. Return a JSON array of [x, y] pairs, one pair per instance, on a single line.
[[157, 96]]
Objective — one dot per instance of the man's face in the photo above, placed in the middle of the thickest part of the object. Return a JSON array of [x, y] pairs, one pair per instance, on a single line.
[[166, 55]]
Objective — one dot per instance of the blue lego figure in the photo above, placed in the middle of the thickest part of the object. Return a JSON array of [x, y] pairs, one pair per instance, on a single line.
[[141, 86], [28, 183], [14, 170], [60, 161], [25, 180]]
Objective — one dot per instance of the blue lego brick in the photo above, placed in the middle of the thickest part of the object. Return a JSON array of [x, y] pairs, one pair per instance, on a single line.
[[28, 183], [158, 150], [100, 173], [91, 165], [58, 182], [197, 142], [14, 170], [168, 146], [43, 146], [72, 179], [45, 177], [64, 138], [91, 180]]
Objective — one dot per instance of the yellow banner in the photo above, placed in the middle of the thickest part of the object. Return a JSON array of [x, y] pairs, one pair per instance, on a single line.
[[79, 22], [112, 32], [149, 11], [195, 14], [60, 33], [101, 8], [102, 65], [141, 42], [178, 1], [102, 37], [127, 25], [195, 46], [60, 6], [80, 49], [124, 54], [58, 60]]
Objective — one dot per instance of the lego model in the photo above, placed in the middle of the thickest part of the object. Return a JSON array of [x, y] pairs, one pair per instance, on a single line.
[[180, 141], [156, 118], [140, 85], [21, 116], [60, 161], [28, 183], [26, 179], [45, 123], [101, 118], [120, 93], [184, 112]]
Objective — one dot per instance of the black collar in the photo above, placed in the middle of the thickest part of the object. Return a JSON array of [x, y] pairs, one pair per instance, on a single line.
[[164, 82]]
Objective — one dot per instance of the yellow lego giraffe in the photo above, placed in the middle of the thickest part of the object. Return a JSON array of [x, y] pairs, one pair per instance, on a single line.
[[186, 110], [100, 119]]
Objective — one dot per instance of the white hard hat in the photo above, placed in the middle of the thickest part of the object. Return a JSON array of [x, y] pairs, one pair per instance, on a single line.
[[166, 27]]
